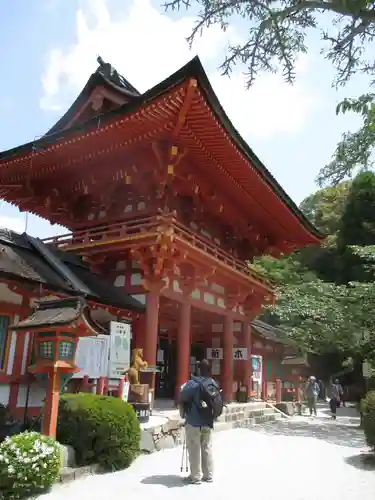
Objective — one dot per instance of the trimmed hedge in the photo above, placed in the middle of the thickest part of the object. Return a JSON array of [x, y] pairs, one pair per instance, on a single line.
[[367, 408], [101, 429]]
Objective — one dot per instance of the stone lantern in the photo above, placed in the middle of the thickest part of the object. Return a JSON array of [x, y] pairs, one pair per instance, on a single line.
[[57, 326]]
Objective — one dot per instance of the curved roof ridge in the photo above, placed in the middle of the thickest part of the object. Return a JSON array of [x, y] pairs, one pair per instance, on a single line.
[[192, 69]]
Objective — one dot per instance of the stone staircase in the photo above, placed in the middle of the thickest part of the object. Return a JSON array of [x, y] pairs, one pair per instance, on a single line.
[[167, 431], [238, 415]]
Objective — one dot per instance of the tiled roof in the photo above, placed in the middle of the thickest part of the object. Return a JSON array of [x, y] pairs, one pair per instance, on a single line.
[[27, 258]]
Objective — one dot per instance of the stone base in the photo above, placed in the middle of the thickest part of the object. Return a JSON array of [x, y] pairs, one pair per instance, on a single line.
[[166, 433], [71, 473], [287, 407], [68, 456]]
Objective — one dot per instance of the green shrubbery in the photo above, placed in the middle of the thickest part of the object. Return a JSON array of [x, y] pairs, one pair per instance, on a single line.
[[367, 409], [101, 429], [29, 464]]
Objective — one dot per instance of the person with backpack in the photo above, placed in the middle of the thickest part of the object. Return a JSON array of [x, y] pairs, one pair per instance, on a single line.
[[312, 390], [336, 397], [202, 403]]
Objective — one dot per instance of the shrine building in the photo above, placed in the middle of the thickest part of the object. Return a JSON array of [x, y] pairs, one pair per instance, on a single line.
[[165, 202]]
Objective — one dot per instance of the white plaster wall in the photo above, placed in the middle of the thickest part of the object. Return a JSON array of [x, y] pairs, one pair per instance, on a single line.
[[25, 353], [7, 295], [36, 397], [12, 351], [4, 393]]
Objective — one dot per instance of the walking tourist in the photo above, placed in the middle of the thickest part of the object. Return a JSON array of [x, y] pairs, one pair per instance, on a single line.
[[312, 390], [335, 397], [202, 403]]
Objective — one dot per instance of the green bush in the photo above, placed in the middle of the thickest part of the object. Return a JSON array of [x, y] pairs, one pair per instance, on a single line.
[[101, 429], [29, 464], [367, 409]]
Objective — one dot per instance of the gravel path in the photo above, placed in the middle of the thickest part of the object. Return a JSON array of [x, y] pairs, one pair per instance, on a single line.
[[298, 459]]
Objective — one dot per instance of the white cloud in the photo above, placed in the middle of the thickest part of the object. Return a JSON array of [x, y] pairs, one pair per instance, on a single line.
[[16, 224], [146, 46]]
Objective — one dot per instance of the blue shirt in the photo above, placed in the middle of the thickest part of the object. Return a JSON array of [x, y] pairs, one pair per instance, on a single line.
[[190, 394], [312, 389]]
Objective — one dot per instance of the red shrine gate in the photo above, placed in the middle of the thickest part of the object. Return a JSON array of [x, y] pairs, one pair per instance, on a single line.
[[162, 194]]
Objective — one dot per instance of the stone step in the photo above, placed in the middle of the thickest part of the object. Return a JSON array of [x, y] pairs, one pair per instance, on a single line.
[[71, 473], [247, 422], [245, 413]]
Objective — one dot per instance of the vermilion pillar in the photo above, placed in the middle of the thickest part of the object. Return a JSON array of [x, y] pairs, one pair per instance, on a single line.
[[49, 423], [227, 377], [150, 342], [183, 346], [246, 332]]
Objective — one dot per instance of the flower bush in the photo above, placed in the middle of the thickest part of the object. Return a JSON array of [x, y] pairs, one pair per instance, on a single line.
[[29, 464]]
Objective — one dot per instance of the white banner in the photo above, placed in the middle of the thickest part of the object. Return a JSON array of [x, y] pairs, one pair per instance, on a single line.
[[240, 353], [256, 367], [92, 356], [214, 353], [125, 392], [119, 352]]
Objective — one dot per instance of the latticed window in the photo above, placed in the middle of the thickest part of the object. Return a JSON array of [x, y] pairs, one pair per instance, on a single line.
[[4, 323]]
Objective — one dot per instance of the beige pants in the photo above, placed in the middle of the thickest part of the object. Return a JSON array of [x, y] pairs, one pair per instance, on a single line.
[[199, 445]]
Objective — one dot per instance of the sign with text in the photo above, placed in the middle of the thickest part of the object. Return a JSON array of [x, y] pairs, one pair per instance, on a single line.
[[92, 356], [119, 352], [215, 353], [240, 353]]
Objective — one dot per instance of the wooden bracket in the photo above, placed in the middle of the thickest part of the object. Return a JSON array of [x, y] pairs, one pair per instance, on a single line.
[[236, 297], [189, 96]]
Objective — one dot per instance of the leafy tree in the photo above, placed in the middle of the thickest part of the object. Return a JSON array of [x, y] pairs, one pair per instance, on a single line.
[[324, 296], [355, 150], [325, 207], [277, 35], [358, 218], [277, 32], [319, 316]]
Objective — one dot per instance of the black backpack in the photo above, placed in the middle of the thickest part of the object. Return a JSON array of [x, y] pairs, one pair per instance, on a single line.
[[211, 400]]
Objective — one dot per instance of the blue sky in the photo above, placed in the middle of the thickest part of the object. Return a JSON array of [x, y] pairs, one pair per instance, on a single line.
[[49, 49]]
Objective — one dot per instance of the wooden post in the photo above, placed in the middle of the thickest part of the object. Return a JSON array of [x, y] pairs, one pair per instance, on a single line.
[[120, 390], [183, 347], [297, 392], [51, 405], [228, 359], [85, 384], [152, 324], [265, 390], [100, 386], [246, 332], [278, 390]]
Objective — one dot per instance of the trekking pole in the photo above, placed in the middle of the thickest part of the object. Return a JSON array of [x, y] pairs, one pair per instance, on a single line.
[[183, 453], [184, 457]]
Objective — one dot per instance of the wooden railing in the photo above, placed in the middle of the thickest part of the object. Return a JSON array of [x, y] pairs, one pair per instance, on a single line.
[[128, 230], [104, 233]]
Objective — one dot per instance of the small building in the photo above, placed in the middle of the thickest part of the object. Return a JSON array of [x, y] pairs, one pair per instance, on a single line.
[[163, 197], [31, 272]]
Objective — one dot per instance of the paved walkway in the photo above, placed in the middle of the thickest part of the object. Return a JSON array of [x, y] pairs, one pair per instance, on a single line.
[[299, 459]]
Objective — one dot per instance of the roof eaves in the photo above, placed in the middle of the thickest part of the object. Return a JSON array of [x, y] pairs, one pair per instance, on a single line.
[[195, 69]]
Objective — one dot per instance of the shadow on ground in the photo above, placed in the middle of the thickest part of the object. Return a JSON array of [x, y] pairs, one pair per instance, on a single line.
[[169, 481], [331, 432], [363, 461]]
